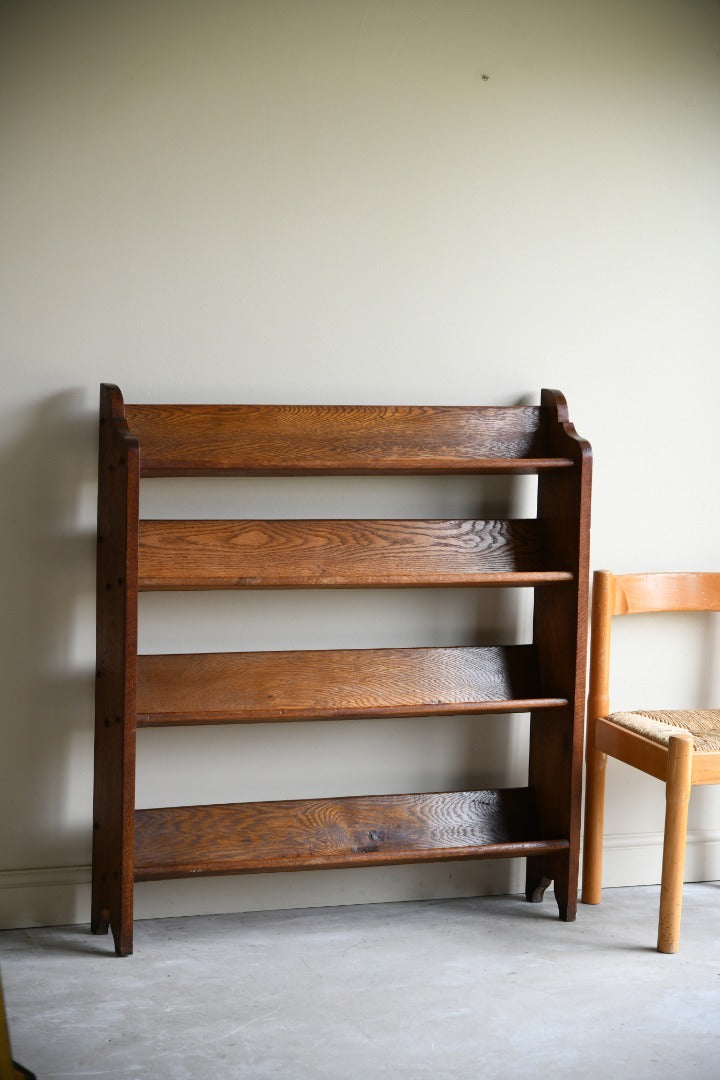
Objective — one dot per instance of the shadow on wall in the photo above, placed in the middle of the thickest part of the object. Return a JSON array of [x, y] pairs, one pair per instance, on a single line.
[[48, 600]]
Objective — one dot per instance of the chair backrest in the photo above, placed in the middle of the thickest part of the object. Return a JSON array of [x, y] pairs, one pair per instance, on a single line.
[[689, 591], [634, 594]]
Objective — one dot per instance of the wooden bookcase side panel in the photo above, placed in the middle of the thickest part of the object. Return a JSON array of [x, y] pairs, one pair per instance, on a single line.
[[115, 694], [560, 635]]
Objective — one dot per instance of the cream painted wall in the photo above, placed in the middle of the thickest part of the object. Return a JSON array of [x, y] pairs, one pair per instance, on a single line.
[[397, 201]]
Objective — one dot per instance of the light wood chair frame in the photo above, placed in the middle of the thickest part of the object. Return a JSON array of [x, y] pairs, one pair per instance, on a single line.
[[678, 765]]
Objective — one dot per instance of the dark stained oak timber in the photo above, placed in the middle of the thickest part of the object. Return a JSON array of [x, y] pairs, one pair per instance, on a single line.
[[548, 553], [357, 831], [287, 440], [116, 662], [215, 688], [560, 621], [338, 553]]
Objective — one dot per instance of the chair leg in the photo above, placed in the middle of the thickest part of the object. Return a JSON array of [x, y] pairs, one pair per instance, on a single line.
[[677, 798], [594, 817]]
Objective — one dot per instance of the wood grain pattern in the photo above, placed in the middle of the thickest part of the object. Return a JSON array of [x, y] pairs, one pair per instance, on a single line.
[[540, 822], [197, 440], [212, 688], [690, 591], [635, 750], [339, 553], [356, 831]]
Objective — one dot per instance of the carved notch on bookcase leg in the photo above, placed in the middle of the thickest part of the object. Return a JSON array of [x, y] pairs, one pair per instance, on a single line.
[[536, 885]]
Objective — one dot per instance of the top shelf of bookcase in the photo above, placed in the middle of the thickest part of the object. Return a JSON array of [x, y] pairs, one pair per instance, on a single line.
[[296, 440]]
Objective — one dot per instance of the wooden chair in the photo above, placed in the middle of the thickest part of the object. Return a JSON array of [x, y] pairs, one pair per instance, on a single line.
[[679, 747]]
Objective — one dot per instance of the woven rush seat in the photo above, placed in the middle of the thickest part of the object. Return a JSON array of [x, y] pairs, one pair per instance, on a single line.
[[659, 725]]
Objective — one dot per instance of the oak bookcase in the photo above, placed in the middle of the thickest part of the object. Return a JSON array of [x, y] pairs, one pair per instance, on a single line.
[[544, 677]]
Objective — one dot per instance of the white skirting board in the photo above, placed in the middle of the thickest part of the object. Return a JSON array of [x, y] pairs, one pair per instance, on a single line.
[[58, 896]]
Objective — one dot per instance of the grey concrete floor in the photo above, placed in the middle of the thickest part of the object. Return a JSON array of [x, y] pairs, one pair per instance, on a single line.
[[489, 987]]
